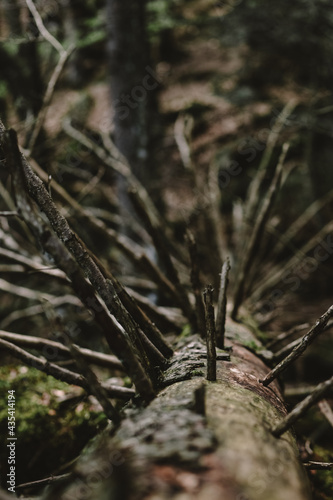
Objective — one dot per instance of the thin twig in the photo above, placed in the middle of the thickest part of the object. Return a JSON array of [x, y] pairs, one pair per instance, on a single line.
[[41, 482], [300, 223], [258, 229], [210, 334], [43, 31], [321, 390], [318, 465], [326, 410], [253, 198], [62, 374], [63, 57], [45, 345], [48, 96], [27, 312], [282, 270], [286, 335], [125, 244], [9, 214], [95, 386], [25, 180], [196, 284], [32, 264], [163, 253], [222, 305], [27, 293], [170, 318], [307, 339], [182, 130], [286, 350], [298, 391]]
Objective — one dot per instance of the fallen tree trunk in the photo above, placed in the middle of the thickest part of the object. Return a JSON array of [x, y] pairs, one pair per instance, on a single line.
[[194, 439], [197, 439]]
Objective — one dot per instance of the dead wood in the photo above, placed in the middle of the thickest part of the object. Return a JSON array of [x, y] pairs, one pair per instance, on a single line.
[[177, 448]]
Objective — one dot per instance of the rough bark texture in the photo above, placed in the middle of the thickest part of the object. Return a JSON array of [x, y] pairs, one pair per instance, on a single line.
[[175, 448]]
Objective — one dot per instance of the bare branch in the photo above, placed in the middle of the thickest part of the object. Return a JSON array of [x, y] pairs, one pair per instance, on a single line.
[[300, 223], [222, 305], [43, 31], [65, 54], [210, 334], [95, 386], [163, 253], [196, 284], [9, 214], [258, 229], [24, 179], [45, 345], [62, 373], [326, 410], [307, 339], [279, 272], [321, 390], [285, 335], [318, 465], [182, 130], [41, 482], [253, 196]]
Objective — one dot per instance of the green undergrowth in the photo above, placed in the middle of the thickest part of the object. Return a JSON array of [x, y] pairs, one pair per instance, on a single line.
[[51, 429]]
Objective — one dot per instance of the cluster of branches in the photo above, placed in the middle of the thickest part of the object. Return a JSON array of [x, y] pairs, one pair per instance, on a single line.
[[136, 342]]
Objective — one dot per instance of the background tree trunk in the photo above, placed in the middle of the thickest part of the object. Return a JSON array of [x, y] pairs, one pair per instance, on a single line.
[[128, 55]]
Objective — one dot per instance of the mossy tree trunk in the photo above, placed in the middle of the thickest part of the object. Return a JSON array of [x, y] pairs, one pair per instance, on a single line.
[[197, 439]]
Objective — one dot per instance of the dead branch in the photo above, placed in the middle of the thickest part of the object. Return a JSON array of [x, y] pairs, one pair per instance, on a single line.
[[63, 57], [321, 390], [326, 410], [222, 305], [253, 198], [252, 246], [318, 465], [41, 482], [182, 131], [24, 179], [170, 318], [278, 272], [48, 96], [298, 391], [9, 214], [95, 386], [30, 263], [196, 284], [161, 247], [45, 345], [43, 31], [118, 163], [286, 335], [62, 374], [300, 223], [307, 339], [125, 244], [27, 293], [210, 334], [35, 310], [287, 349]]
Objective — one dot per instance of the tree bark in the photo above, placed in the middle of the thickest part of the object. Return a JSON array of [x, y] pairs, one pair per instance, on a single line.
[[197, 439]]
